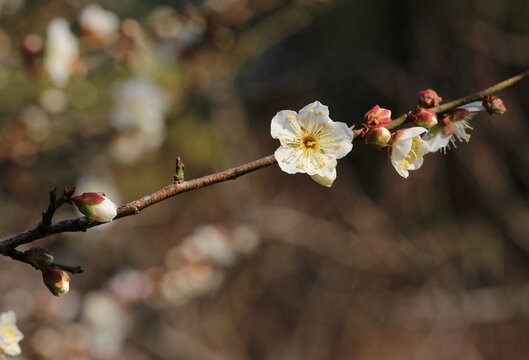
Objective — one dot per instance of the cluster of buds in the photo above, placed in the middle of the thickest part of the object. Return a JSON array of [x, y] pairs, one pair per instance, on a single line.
[[494, 105], [376, 130], [55, 279]]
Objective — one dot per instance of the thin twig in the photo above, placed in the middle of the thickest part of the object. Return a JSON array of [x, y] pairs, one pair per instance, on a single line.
[[465, 100], [132, 208], [20, 256]]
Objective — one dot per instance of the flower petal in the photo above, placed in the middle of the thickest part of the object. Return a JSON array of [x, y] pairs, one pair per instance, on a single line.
[[409, 133], [400, 148], [439, 141], [401, 171], [473, 106], [287, 160], [280, 123], [343, 139], [325, 180], [317, 109]]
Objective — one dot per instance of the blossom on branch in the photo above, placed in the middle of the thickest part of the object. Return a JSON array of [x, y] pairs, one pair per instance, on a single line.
[[407, 150], [452, 126], [95, 206], [310, 142], [9, 334]]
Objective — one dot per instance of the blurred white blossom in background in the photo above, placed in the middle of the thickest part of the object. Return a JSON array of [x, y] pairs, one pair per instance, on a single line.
[[9, 334], [98, 23], [139, 111], [107, 322], [196, 266], [61, 53]]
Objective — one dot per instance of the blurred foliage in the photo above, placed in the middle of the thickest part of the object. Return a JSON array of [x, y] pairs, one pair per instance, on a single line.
[[270, 266]]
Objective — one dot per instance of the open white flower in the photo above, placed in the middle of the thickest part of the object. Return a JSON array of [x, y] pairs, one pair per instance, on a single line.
[[9, 334], [452, 128], [407, 150], [310, 142], [62, 51]]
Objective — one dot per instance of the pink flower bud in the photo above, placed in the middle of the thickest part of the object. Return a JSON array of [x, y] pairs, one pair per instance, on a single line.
[[378, 136], [56, 280], [39, 257], [95, 206], [428, 98], [377, 116], [494, 105], [423, 117]]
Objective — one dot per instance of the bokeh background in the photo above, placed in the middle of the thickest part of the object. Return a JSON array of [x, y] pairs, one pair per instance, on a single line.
[[105, 95]]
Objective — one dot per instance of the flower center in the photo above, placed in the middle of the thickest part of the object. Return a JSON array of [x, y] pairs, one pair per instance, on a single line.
[[8, 334], [412, 154], [309, 142]]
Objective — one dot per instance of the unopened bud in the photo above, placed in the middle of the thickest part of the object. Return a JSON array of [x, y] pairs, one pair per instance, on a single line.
[[39, 257], [423, 117], [377, 116], [494, 105], [428, 98], [56, 280], [379, 136], [95, 206]]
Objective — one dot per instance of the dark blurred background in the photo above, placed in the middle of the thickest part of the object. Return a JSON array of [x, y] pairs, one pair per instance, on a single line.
[[270, 266]]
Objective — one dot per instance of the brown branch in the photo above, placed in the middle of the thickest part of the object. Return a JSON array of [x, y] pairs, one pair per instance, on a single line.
[[134, 207], [465, 100], [45, 228]]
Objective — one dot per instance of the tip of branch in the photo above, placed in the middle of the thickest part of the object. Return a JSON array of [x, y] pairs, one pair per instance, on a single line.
[[178, 177]]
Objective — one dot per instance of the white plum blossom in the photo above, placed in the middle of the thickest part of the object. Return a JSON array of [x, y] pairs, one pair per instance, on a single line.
[[62, 51], [311, 142], [453, 128], [407, 150], [9, 334], [97, 22]]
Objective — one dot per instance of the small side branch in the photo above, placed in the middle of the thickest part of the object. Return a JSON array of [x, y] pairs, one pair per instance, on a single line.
[[132, 208], [20, 256], [54, 204]]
